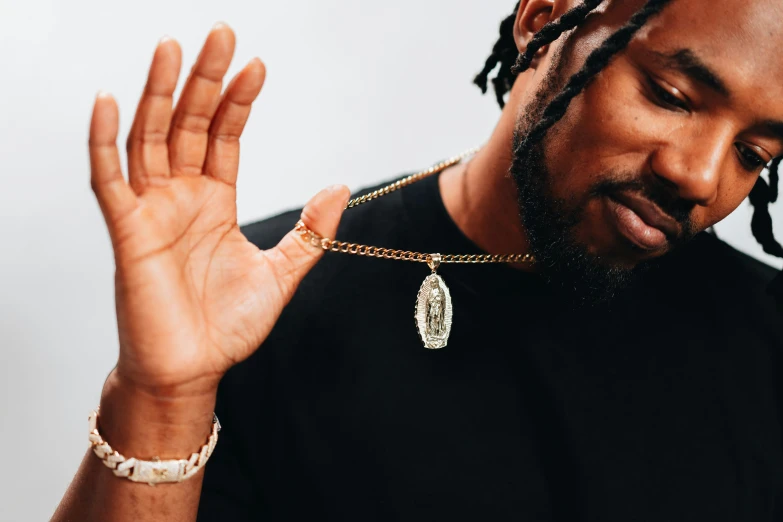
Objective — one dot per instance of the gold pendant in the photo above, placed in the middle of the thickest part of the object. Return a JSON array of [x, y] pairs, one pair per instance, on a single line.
[[433, 308]]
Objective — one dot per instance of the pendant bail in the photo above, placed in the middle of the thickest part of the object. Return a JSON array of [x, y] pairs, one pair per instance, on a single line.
[[433, 261]]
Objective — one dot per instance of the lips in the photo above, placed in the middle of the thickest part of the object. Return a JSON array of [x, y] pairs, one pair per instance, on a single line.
[[641, 221]]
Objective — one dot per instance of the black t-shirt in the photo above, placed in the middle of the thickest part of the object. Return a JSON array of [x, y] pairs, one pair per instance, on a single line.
[[665, 405]]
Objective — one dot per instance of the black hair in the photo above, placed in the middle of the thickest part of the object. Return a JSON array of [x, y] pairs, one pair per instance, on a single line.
[[512, 63]]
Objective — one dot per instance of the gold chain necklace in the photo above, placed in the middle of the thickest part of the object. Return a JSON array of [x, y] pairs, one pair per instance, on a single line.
[[434, 309]]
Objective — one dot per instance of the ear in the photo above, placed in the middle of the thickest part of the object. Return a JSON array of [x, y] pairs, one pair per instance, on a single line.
[[531, 17]]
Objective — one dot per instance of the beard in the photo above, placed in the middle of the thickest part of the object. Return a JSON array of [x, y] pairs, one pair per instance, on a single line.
[[565, 264], [578, 276]]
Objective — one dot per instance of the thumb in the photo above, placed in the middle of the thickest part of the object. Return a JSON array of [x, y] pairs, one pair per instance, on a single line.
[[294, 256]]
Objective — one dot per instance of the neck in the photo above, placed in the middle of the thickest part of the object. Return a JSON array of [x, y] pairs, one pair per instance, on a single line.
[[481, 197]]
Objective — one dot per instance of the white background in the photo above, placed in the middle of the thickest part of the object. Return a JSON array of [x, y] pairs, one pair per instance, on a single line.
[[357, 92]]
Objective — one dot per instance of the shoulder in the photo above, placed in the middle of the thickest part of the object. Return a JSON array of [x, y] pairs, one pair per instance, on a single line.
[[720, 262], [720, 279], [382, 222], [326, 296], [358, 224]]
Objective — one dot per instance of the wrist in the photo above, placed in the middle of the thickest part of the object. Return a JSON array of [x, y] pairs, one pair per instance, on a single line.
[[142, 424]]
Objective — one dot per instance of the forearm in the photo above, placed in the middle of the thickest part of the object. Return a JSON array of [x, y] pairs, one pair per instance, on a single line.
[[139, 425]]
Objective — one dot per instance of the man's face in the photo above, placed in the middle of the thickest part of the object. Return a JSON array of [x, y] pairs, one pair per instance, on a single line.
[[668, 140]]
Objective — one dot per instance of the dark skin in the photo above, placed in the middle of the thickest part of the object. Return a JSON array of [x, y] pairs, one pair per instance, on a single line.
[[194, 297], [643, 121]]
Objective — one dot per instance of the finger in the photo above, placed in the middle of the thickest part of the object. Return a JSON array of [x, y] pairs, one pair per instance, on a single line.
[[196, 107], [293, 257], [114, 196], [222, 161], [148, 152]]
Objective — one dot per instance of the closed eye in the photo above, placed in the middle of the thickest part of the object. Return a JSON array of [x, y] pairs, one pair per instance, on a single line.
[[666, 99], [749, 159]]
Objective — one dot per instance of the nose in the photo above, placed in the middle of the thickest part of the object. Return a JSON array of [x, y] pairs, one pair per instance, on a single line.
[[691, 165]]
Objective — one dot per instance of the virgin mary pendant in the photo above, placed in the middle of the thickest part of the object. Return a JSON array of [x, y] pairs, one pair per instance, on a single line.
[[433, 308]]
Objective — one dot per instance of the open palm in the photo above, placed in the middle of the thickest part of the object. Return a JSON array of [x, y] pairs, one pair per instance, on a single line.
[[193, 295]]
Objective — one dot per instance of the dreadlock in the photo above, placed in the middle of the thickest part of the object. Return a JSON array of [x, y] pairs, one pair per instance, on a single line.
[[512, 64], [761, 223], [505, 52], [595, 63]]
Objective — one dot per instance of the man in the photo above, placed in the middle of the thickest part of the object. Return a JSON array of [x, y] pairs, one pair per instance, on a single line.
[[631, 372]]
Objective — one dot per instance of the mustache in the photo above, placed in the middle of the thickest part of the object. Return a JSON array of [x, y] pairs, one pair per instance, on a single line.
[[664, 197]]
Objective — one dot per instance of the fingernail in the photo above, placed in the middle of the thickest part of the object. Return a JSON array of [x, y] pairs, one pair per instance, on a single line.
[[165, 39], [218, 25], [102, 94]]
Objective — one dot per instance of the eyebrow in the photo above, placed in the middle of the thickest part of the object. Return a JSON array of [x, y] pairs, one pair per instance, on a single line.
[[687, 62], [774, 128]]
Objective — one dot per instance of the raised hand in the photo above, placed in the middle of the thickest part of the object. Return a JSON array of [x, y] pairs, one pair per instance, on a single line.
[[193, 296]]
